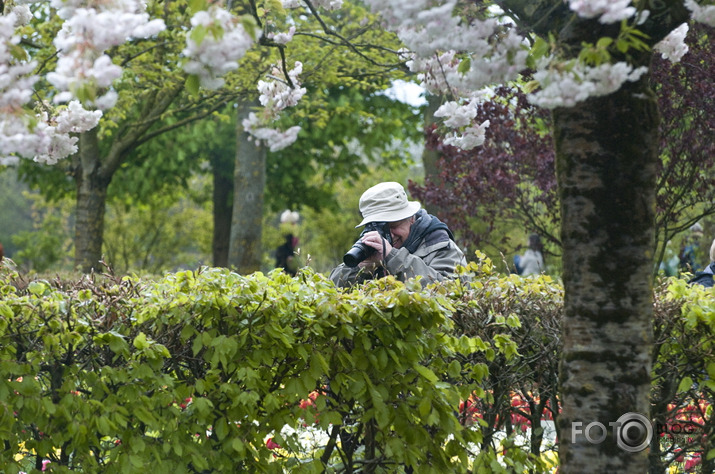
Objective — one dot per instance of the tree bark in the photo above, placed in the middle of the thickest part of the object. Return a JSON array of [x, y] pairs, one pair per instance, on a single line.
[[245, 251], [91, 202], [431, 156], [222, 168], [606, 167]]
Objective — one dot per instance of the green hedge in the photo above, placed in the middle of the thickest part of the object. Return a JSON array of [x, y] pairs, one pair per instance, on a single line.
[[192, 373], [210, 371]]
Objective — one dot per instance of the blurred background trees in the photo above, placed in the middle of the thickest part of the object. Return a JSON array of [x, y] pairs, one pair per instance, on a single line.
[[169, 202]]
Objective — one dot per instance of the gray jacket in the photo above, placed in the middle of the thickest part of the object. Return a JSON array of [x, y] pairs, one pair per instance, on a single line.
[[435, 259]]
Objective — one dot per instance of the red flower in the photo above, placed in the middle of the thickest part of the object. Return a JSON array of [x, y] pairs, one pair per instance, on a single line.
[[692, 463], [270, 444]]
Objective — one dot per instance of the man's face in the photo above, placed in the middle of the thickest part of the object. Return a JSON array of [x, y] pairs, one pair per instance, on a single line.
[[400, 230]]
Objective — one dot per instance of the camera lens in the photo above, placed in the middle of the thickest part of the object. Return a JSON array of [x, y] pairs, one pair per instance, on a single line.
[[357, 254]]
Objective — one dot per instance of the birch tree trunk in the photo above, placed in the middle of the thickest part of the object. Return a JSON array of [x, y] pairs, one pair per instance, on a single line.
[[431, 156], [91, 202], [245, 251], [606, 166]]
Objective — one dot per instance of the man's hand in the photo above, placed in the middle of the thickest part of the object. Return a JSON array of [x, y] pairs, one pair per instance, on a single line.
[[375, 240]]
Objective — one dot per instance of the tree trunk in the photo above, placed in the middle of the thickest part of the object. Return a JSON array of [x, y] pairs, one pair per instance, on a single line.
[[245, 252], [222, 167], [431, 156], [606, 167], [91, 202]]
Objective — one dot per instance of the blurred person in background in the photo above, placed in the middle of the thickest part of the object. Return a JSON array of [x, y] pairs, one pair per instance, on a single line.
[[285, 253], [705, 277], [532, 262], [687, 256]]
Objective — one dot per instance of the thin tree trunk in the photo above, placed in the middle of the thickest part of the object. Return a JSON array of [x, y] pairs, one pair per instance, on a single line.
[[431, 156], [245, 252], [606, 167], [91, 203], [222, 167]]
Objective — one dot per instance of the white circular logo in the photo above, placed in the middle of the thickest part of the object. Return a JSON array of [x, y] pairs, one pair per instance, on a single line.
[[633, 432]]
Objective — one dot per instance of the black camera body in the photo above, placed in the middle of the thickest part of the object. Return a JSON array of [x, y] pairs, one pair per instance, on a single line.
[[359, 251]]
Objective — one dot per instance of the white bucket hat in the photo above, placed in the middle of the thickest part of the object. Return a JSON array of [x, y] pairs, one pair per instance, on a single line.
[[386, 202]]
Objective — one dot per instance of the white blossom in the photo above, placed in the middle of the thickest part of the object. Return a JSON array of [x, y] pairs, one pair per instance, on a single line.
[[565, 87], [283, 37], [701, 14], [673, 46], [607, 11], [76, 119], [23, 14], [471, 137], [276, 95], [274, 138], [212, 57], [457, 115], [430, 31], [85, 35], [329, 4]]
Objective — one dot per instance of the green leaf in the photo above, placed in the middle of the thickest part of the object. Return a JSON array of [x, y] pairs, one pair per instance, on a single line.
[[426, 373], [465, 66], [454, 369], [197, 5], [540, 48], [38, 287], [513, 321], [425, 407], [604, 42], [140, 341], [685, 384], [192, 84]]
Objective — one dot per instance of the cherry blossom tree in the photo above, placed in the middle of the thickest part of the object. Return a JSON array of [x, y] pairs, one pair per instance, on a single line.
[[511, 180], [145, 80]]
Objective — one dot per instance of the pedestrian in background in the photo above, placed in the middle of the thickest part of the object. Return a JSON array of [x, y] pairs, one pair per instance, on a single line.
[[532, 262], [285, 253], [687, 256], [705, 277]]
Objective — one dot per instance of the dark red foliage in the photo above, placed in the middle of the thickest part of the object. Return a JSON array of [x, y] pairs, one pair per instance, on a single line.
[[486, 185], [686, 98]]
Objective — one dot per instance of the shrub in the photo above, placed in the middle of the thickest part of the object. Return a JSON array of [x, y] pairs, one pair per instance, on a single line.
[[210, 371]]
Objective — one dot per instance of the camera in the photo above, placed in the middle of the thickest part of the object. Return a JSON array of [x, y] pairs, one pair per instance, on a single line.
[[359, 251]]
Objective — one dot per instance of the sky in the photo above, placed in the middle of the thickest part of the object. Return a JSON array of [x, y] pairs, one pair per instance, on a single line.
[[407, 92]]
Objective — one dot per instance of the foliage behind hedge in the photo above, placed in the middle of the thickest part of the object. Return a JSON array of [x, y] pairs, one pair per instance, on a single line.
[[196, 371]]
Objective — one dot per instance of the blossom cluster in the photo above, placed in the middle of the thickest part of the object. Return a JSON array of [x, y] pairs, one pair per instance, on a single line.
[[16, 78], [39, 136], [86, 33], [276, 95], [329, 4], [673, 46], [466, 134], [701, 14], [442, 44], [566, 86], [324, 4], [283, 37], [47, 139], [607, 11], [214, 45]]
